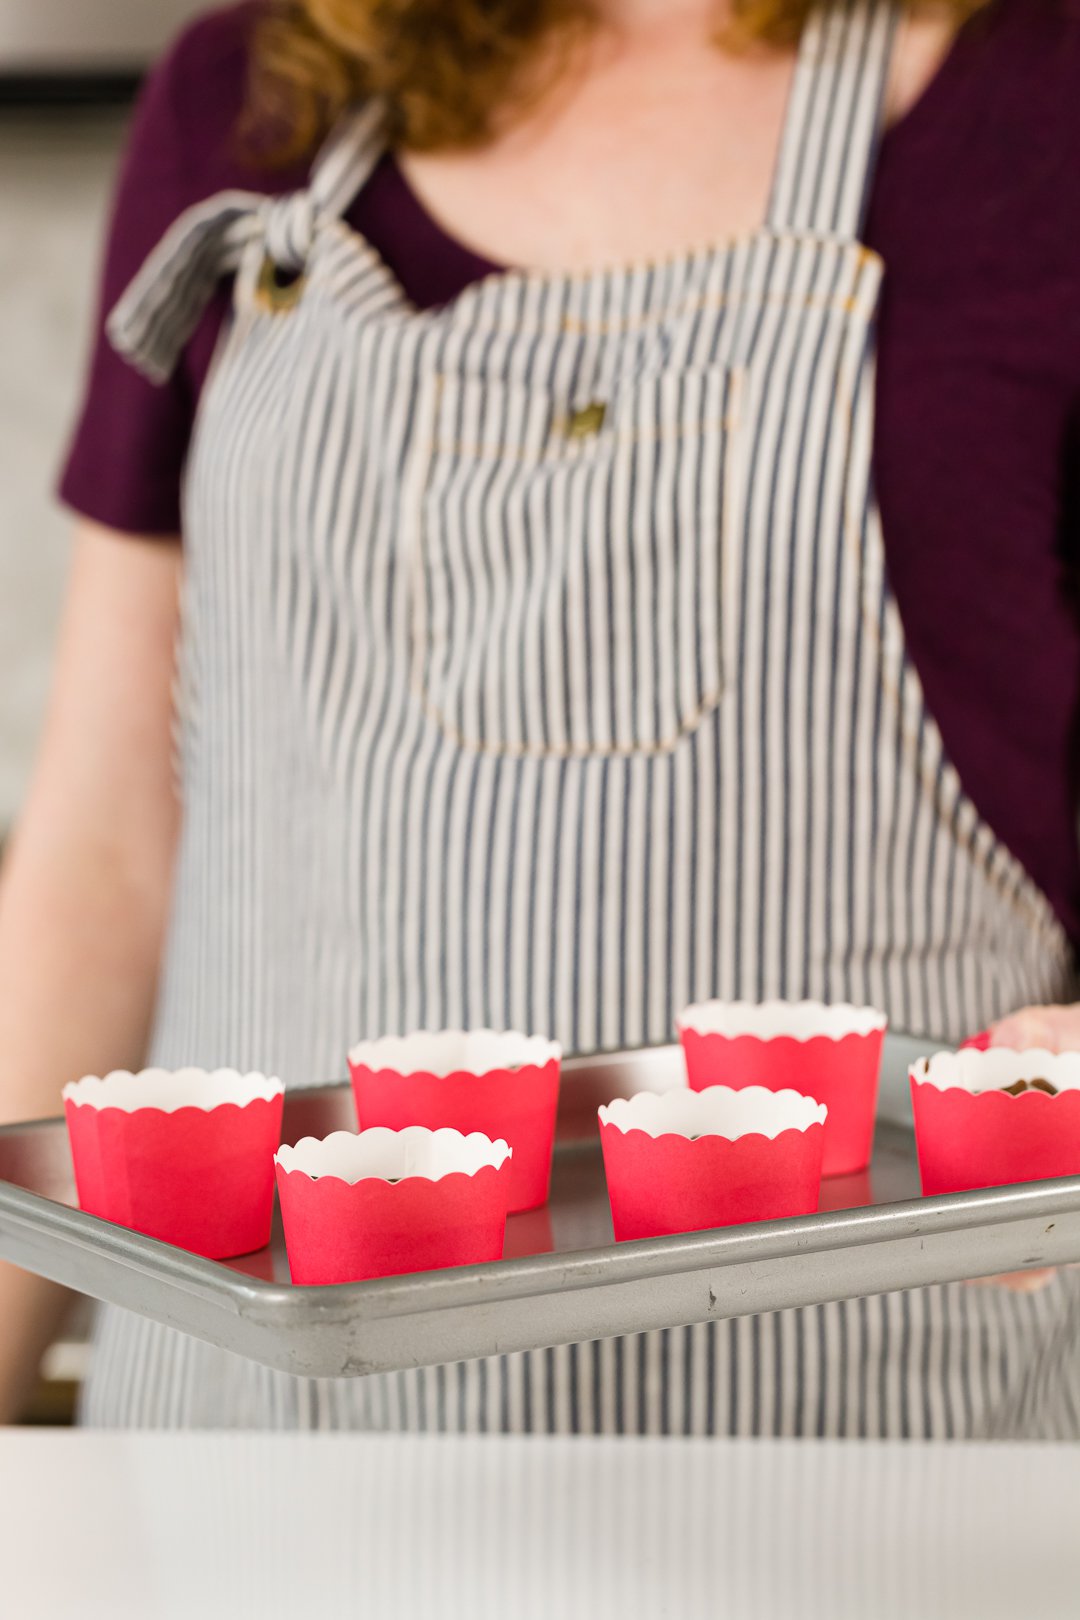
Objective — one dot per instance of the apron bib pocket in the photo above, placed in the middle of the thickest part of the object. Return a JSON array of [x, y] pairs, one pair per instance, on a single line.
[[567, 562]]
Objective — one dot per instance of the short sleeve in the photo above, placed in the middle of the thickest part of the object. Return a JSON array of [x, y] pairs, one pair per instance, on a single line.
[[125, 463]]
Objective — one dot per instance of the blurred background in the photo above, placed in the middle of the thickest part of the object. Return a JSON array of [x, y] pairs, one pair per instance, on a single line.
[[68, 72]]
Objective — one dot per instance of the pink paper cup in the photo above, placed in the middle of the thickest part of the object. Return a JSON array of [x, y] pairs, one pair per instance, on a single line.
[[383, 1203], [970, 1132], [686, 1161], [832, 1054], [502, 1085], [186, 1157]]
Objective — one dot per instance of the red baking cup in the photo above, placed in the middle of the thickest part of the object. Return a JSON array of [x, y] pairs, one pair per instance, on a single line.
[[502, 1085], [187, 1157], [977, 1043], [684, 1161], [345, 1221], [971, 1133], [832, 1054]]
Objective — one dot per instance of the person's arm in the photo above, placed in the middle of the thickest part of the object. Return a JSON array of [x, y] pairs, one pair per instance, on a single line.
[[85, 884]]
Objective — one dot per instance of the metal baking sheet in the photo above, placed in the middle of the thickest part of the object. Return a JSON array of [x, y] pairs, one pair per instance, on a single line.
[[563, 1279]]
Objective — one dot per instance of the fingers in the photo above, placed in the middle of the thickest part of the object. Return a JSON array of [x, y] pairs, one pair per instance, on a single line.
[[1051, 1029], [1018, 1282]]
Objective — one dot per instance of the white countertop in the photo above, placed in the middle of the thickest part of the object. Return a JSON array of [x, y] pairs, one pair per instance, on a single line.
[[312, 1527]]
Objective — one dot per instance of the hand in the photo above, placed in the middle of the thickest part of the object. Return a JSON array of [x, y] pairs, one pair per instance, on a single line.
[[1018, 1282], [1051, 1029]]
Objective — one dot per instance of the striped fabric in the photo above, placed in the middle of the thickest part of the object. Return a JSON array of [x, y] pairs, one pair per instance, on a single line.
[[954, 1362], [540, 670]]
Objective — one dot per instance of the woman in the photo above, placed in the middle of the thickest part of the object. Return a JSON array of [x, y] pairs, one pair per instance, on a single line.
[[539, 662]]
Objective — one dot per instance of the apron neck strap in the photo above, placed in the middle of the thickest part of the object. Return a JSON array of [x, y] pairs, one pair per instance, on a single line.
[[834, 118], [345, 164]]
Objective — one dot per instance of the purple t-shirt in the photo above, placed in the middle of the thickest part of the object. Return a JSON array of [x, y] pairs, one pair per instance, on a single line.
[[976, 211]]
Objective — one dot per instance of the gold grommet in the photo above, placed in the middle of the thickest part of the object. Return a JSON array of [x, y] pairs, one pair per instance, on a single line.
[[588, 420], [273, 295]]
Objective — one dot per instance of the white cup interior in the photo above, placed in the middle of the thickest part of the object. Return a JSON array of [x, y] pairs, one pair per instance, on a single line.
[[386, 1155], [768, 1020], [171, 1089], [716, 1111], [996, 1068], [454, 1051]]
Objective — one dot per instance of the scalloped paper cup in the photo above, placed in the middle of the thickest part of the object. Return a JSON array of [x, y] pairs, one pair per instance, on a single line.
[[970, 1132], [685, 1161], [382, 1203], [502, 1085], [185, 1156], [832, 1054]]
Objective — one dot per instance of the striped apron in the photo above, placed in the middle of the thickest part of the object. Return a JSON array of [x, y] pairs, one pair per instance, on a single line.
[[540, 670]]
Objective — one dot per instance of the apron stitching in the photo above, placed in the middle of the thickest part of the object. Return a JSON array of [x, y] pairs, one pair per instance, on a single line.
[[734, 378]]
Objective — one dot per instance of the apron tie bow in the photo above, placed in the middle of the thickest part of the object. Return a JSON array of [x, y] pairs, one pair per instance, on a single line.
[[289, 229], [157, 315]]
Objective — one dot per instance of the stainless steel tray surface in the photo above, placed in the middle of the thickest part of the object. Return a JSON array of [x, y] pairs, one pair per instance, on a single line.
[[563, 1278]]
